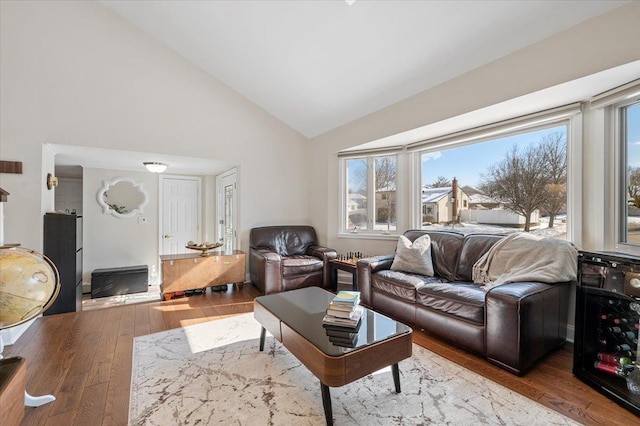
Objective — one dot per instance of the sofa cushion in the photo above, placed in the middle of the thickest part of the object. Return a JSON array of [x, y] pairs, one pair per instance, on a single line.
[[463, 300], [400, 284], [473, 248], [413, 257], [301, 264], [284, 240], [445, 250]]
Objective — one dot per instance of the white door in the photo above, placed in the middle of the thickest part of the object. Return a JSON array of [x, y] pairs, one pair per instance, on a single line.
[[180, 213], [227, 211]]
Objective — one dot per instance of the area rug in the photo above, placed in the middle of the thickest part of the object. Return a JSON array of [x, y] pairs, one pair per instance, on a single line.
[[213, 373]]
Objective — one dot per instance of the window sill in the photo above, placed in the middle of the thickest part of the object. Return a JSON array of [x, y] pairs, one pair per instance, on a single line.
[[366, 236]]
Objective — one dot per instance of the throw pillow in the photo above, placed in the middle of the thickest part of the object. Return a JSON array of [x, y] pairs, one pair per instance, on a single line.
[[414, 258]]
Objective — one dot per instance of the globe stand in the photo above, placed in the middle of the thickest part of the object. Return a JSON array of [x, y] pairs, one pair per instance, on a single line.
[[37, 277], [29, 400]]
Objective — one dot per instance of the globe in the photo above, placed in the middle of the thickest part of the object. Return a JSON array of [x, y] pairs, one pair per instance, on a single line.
[[29, 284]]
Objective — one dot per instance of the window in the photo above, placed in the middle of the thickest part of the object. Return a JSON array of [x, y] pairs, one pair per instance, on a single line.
[[517, 181], [628, 117], [370, 194]]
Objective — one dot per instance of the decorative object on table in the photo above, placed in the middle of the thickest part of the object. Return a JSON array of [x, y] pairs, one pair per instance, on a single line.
[[29, 284], [344, 310], [351, 257], [204, 247]]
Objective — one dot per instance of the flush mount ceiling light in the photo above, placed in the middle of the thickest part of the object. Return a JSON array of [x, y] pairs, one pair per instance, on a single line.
[[155, 167]]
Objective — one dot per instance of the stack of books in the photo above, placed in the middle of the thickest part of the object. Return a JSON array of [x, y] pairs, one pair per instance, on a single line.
[[342, 336], [342, 320]]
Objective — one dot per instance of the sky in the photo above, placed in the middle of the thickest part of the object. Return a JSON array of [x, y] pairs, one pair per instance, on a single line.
[[633, 135], [468, 163]]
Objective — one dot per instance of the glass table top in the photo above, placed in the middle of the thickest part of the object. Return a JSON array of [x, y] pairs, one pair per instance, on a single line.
[[303, 310]]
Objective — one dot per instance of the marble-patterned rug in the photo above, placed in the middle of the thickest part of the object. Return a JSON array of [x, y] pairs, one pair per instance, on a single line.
[[213, 373]]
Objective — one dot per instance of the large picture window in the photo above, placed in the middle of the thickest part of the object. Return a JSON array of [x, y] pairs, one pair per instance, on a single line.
[[512, 183], [629, 135], [370, 196]]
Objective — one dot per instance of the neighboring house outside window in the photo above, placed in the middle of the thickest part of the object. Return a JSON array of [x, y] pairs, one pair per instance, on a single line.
[[370, 193], [509, 183]]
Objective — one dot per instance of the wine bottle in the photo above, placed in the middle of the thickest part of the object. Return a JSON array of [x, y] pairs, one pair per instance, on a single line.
[[621, 371], [614, 359]]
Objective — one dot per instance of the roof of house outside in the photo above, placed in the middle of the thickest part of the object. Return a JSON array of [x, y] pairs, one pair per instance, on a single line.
[[433, 195]]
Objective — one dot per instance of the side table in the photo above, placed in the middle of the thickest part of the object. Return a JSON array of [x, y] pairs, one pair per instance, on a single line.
[[348, 265], [12, 390], [190, 271]]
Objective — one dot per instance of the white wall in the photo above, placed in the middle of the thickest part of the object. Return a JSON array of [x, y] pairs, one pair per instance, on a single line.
[[75, 73], [69, 194], [109, 241]]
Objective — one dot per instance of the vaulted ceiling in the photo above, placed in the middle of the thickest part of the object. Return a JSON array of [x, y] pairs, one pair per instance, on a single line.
[[317, 65]]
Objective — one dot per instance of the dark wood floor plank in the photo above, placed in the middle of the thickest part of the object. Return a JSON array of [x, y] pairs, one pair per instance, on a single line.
[[117, 405], [68, 395], [100, 368], [62, 419], [92, 403], [142, 314], [108, 337]]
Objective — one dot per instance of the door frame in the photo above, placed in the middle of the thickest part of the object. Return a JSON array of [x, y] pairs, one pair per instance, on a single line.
[[220, 204], [161, 179]]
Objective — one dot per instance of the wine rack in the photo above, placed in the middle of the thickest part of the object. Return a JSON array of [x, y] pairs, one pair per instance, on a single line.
[[606, 352]]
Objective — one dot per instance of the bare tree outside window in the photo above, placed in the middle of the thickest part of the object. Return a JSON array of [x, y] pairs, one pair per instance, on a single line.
[[440, 182], [520, 181], [553, 148], [633, 186], [385, 177]]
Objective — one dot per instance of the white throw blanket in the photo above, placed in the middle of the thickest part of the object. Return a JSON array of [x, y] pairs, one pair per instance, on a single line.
[[524, 257]]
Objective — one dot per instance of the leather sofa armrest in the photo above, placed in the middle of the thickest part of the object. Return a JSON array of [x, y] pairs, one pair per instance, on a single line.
[[265, 269], [366, 268], [326, 254], [524, 321]]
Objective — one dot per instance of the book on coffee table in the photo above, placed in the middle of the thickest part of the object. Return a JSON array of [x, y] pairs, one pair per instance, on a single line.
[[346, 298], [351, 322]]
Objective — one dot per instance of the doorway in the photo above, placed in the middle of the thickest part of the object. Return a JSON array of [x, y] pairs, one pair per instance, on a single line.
[[179, 213], [227, 211]]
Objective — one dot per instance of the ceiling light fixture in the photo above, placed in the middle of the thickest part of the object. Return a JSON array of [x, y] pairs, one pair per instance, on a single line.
[[349, 2], [155, 167]]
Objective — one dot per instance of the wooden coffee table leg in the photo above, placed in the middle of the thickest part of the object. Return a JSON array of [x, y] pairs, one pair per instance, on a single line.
[[396, 376], [263, 334], [326, 403]]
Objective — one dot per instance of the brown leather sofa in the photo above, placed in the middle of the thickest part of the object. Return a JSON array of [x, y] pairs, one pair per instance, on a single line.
[[285, 258], [513, 325]]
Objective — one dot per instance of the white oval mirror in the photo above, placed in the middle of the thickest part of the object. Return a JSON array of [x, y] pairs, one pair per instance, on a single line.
[[122, 197]]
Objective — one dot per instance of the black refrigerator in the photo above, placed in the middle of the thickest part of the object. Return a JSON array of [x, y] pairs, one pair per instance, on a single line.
[[606, 352], [63, 245]]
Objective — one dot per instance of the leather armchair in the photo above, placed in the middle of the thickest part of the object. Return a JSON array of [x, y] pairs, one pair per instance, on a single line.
[[283, 258]]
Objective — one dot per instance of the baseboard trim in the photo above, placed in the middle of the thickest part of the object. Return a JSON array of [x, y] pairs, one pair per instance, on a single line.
[[571, 333]]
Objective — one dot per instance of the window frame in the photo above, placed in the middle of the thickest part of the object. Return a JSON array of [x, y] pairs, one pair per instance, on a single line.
[[616, 122], [370, 157], [573, 123]]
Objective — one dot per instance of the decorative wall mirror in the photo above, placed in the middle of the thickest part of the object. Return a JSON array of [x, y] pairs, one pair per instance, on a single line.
[[122, 197]]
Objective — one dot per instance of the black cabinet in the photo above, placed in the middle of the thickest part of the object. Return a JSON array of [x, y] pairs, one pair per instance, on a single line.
[[63, 245], [606, 352]]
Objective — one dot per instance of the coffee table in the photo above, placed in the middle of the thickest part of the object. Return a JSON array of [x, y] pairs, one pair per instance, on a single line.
[[295, 319]]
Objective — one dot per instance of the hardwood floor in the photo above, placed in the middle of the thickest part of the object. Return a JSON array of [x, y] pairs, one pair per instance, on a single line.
[[84, 359]]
